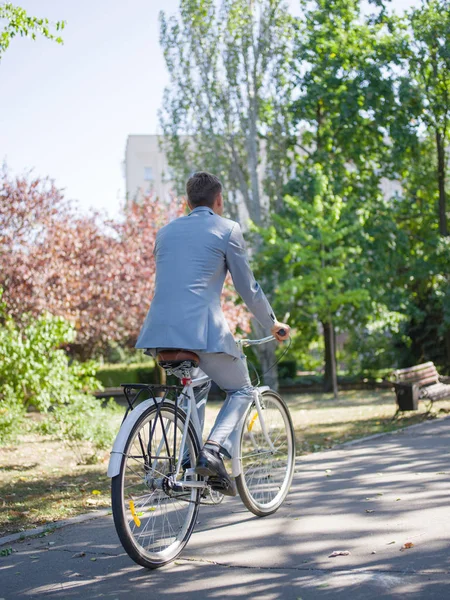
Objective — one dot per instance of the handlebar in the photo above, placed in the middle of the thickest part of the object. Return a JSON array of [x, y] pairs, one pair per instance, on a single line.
[[247, 342]]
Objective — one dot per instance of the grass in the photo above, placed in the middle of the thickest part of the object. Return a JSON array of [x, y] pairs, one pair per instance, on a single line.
[[41, 482]]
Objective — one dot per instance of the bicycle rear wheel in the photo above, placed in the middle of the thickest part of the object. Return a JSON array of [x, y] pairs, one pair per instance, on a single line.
[[154, 519], [266, 474]]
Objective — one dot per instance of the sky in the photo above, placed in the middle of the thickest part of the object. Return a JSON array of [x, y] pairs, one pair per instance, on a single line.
[[66, 110]]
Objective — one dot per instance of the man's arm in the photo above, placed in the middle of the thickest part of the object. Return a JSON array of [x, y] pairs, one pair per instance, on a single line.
[[246, 285]]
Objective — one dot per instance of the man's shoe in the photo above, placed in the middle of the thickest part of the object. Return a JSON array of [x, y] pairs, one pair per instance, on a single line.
[[210, 464], [186, 463]]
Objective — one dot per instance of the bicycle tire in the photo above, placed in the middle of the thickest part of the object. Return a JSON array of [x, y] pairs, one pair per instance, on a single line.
[[264, 482], [126, 518]]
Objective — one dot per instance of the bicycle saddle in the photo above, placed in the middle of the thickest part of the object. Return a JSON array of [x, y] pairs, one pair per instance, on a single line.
[[171, 359]]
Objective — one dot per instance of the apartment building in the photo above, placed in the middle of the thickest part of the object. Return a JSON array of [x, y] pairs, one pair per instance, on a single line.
[[146, 170], [145, 167]]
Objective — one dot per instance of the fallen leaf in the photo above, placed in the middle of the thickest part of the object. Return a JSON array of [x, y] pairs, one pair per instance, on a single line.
[[389, 543], [397, 499], [374, 551], [96, 492], [407, 546], [339, 553], [369, 510], [93, 559], [79, 555]]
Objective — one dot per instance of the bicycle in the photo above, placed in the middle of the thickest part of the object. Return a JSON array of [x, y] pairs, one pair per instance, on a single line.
[[155, 491]]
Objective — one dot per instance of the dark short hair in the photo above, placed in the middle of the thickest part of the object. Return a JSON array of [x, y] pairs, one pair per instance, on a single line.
[[202, 189]]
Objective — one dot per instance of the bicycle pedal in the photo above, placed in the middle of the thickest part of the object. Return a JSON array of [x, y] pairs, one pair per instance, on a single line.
[[222, 486]]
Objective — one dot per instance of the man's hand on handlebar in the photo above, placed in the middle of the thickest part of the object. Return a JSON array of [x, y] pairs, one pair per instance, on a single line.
[[280, 331]]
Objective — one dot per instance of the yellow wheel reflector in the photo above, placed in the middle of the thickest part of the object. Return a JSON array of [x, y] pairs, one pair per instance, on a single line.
[[252, 422], [136, 519]]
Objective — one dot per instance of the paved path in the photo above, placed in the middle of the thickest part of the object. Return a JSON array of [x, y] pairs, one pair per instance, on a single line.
[[377, 495]]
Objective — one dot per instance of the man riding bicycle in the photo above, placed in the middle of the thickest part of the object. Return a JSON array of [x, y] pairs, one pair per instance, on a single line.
[[193, 255]]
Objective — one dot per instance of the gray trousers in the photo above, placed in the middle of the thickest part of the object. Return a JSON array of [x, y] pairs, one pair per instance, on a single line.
[[231, 375]]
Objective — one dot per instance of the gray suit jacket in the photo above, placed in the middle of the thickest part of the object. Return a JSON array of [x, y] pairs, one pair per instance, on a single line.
[[193, 254]]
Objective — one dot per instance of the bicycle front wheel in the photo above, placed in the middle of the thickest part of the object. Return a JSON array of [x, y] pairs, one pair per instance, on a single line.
[[266, 472], [153, 517]]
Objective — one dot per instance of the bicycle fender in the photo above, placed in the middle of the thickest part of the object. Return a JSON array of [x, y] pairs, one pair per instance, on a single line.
[[119, 443], [263, 388]]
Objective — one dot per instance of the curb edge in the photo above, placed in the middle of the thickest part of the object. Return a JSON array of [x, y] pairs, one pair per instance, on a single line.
[[50, 527]]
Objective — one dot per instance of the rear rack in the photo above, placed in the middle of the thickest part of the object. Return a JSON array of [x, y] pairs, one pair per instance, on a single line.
[[133, 392]]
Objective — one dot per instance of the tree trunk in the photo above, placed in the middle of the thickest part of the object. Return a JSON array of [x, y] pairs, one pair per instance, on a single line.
[[447, 345], [253, 153], [330, 379], [266, 356], [443, 230], [441, 183]]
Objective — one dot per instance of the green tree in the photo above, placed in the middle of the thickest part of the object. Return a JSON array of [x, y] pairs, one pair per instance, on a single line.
[[419, 285], [229, 68], [346, 83], [14, 20], [226, 109], [314, 246], [429, 70], [420, 137]]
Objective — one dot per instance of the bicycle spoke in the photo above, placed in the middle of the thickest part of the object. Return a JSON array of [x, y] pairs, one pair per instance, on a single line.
[[267, 469], [158, 518]]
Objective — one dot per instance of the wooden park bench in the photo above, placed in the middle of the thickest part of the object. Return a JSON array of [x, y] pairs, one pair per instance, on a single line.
[[421, 382]]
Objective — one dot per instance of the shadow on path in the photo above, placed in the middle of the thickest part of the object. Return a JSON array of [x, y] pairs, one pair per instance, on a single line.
[[369, 499]]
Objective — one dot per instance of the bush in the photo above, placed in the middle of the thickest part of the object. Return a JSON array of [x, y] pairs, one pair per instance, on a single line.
[[112, 375], [36, 372], [287, 370], [375, 346], [117, 353], [84, 426], [12, 415]]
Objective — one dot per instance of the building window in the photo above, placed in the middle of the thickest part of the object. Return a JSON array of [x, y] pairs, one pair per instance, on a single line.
[[148, 174]]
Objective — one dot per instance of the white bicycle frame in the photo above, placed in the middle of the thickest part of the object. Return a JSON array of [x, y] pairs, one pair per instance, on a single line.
[[186, 400]]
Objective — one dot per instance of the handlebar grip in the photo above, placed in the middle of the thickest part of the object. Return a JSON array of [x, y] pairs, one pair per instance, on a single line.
[[281, 332]]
